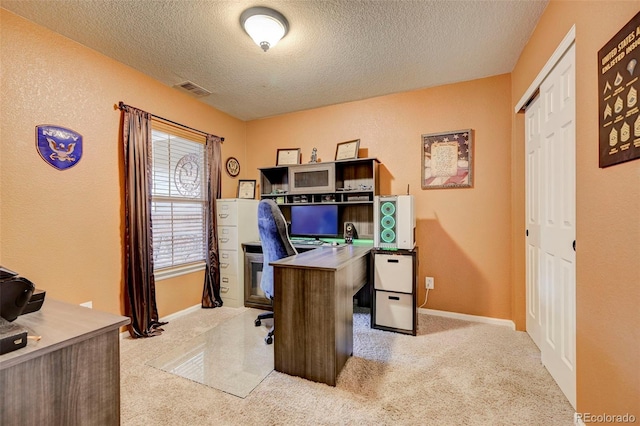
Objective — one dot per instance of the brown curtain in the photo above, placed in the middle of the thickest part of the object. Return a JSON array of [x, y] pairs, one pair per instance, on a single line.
[[140, 300], [211, 292]]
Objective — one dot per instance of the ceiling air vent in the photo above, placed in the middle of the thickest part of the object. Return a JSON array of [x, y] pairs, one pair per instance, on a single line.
[[193, 88]]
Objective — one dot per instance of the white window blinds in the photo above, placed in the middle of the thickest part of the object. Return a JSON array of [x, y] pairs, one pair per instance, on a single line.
[[178, 199]]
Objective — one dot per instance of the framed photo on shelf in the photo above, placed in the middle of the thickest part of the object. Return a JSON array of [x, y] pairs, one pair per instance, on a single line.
[[447, 160], [247, 189], [287, 156], [347, 150]]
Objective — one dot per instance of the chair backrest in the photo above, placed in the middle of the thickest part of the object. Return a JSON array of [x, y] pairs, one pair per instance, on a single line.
[[275, 241]]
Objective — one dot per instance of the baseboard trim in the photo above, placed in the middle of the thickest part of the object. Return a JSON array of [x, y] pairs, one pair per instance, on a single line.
[[467, 317], [435, 312], [170, 317], [181, 313]]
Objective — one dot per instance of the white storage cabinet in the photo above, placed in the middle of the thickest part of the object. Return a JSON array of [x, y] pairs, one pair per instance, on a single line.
[[394, 291]]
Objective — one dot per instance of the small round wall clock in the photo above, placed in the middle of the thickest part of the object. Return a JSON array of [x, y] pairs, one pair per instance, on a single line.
[[233, 166]]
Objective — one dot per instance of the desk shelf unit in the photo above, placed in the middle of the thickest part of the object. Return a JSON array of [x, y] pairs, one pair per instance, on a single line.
[[351, 184]]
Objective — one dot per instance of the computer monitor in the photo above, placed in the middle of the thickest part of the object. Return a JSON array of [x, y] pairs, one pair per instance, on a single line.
[[314, 221]]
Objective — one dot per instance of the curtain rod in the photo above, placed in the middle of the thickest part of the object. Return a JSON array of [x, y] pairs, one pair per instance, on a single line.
[[122, 105]]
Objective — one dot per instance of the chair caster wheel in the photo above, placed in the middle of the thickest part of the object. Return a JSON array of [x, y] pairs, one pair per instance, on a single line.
[[258, 323], [268, 340]]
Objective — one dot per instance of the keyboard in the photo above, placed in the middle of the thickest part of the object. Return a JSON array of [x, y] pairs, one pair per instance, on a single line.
[[307, 242]]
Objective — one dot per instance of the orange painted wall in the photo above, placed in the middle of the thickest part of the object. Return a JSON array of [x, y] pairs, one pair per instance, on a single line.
[[463, 234], [607, 206], [63, 229]]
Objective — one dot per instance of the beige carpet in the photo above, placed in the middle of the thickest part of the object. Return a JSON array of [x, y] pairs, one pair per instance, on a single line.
[[453, 373]]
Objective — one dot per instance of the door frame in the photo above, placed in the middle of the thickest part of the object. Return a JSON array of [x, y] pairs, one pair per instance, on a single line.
[[530, 94], [532, 90]]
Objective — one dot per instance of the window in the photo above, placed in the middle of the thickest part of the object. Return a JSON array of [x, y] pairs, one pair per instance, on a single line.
[[178, 200]]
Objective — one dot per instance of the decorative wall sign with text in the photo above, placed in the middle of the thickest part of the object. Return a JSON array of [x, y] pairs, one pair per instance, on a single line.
[[618, 86], [59, 147]]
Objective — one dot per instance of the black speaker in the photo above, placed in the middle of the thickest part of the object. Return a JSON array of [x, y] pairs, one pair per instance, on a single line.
[[350, 232]]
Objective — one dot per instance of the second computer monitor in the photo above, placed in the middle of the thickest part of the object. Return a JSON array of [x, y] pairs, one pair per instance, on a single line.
[[314, 221]]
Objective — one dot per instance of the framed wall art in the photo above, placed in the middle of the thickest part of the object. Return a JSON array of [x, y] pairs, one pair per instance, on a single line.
[[232, 166], [619, 115], [288, 156], [247, 189], [347, 150], [447, 160]]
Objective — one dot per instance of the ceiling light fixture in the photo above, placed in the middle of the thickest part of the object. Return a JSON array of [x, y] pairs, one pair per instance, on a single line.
[[265, 26]]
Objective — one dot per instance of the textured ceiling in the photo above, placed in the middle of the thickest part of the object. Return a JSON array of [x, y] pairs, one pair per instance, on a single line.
[[336, 50]]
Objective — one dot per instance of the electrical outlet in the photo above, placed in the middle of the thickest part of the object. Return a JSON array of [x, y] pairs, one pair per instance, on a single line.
[[429, 283]]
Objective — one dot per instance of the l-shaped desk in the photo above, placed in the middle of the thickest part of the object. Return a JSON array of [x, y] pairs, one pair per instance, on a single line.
[[313, 309]]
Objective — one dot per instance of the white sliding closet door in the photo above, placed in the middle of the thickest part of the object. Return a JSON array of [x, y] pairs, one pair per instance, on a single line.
[[550, 209], [532, 178]]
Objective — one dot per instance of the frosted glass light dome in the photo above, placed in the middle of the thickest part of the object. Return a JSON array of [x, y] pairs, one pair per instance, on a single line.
[[265, 26]]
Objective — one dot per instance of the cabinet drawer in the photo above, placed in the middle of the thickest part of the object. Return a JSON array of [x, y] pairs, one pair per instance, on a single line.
[[228, 286], [394, 310], [227, 238], [227, 212], [229, 262], [393, 273]]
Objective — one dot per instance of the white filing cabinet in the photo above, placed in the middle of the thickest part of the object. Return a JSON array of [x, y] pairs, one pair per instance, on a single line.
[[237, 221], [394, 291]]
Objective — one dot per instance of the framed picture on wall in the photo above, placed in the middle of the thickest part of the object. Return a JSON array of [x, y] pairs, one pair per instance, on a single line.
[[619, 116], [447, 159], [247, 189]]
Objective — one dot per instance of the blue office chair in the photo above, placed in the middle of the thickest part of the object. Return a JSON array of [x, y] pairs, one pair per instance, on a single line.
[[275, 245]]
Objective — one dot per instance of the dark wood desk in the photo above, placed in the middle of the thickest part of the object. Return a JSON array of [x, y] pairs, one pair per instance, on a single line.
[[71, 376], [313, 309], [253, 295]]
